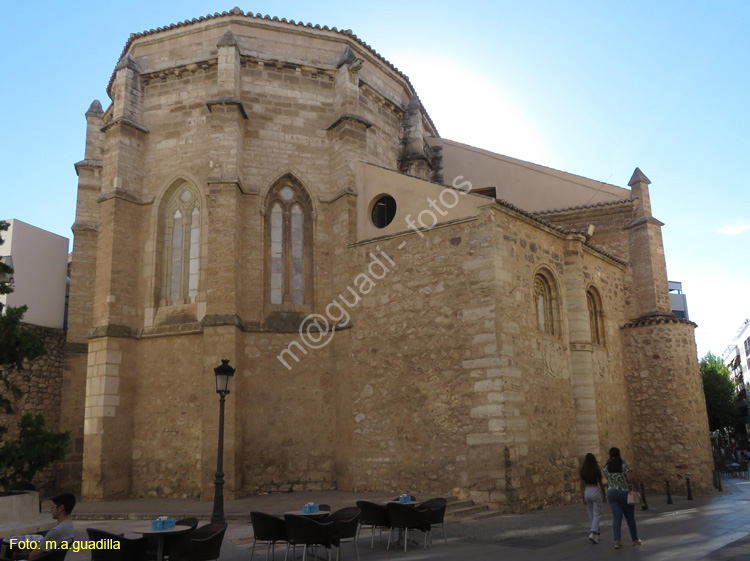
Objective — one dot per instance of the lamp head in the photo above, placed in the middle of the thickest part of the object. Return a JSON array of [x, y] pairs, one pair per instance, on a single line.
[[224, 374]]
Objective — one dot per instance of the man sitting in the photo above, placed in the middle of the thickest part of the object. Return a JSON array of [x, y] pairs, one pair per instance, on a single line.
[[61, 509]]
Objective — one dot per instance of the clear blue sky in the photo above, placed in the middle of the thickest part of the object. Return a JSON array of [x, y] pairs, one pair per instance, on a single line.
[[593, 88]]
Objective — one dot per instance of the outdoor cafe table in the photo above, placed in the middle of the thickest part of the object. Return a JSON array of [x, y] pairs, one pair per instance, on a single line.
[[319, 514], [147, 530]]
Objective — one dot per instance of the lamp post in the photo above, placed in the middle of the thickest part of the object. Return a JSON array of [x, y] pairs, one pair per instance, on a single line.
[[224, 374]]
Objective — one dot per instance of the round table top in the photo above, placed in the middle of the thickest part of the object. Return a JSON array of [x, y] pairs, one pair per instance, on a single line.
[[303, 513], [24, 537], [146, 528]]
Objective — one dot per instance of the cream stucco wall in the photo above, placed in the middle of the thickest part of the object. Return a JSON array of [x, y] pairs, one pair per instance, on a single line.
[[40, 262], [529, 186], [419, 204]]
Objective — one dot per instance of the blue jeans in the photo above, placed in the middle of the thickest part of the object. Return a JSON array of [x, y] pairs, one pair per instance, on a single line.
[[618, 502]]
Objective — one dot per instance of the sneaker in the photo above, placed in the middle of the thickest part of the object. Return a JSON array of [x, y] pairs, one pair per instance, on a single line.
[[637, 542], [598, 536], [618, 544], [592, 538]]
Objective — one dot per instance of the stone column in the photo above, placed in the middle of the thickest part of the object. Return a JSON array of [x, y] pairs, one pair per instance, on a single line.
[[348, 132], [650, 286], [111, 358], [81, 299], [222, 323], [581, 349], [413, 160]]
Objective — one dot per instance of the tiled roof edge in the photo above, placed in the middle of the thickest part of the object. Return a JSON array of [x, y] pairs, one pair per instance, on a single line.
[[238, 12], [535, 218], [656, 319], [582, 207]]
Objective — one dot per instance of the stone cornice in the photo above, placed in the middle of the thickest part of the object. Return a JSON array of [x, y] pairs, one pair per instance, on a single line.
[[216, 179], [84, 227], [345, 192], [119, 194], [349, 117], [644, 220], [113, 330], [125, 122], [79, 348], [226, 101], [88, 164]]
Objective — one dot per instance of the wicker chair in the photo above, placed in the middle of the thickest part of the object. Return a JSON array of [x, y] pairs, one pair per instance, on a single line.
[[202, 544], [53, 555], [374, 516], [130, 550], [152, 541], [436, 510], [268, 529], [345, 527], [405, 518], [304, 531]]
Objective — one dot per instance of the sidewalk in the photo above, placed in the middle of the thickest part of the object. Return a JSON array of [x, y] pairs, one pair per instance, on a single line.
[[715, 528]]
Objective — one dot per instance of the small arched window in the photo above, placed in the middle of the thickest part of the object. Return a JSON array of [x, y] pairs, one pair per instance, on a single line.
[[288, 245], [545, 304], [596, 316], [181, 239]]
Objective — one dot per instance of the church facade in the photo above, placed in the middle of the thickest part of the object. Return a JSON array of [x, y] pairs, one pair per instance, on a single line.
[[404, 312]]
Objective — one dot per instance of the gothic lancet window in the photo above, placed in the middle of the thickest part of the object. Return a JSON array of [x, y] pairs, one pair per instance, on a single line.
[[289, 246], [596, 318], [181, 226], [545, 304]]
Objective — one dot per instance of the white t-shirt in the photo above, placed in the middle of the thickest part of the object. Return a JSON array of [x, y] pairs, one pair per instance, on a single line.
[[63, 532]]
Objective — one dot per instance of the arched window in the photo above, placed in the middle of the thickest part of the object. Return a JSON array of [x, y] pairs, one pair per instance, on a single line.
[[596, 316], [180, 255], [545, 303], [289, 246]]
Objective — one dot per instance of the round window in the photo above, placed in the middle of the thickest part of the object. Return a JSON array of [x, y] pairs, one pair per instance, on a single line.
[[383, 211]]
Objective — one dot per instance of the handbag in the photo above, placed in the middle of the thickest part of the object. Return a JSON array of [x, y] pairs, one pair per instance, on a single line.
[[634, 498]]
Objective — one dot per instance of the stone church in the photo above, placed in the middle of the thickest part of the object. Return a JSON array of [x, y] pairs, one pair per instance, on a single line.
[[404, 312]]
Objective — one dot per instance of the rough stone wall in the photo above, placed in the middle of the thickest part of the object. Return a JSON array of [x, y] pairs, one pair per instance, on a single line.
[[41, 383], [538, 417], [421, 337], [669, 421]]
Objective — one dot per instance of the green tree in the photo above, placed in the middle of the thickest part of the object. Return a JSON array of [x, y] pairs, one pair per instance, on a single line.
[[33, 450], [16, 343], [720, 393]]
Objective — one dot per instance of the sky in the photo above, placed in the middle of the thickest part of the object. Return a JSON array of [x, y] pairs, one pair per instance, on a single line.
[[592, 88]]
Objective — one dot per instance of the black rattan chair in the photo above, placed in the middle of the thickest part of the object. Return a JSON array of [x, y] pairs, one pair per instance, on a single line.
[[304, 531], [129, 550], [374, 516], [53, 555], [268, 529], [152, 541], [436, 510], [405, 518], [345, 526], [202, 544]]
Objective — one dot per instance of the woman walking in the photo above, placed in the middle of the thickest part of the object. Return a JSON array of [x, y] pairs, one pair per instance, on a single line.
[[621, 480], [592, 491]]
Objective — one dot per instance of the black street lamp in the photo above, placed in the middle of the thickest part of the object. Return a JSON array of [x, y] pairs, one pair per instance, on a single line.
[[224, 374]]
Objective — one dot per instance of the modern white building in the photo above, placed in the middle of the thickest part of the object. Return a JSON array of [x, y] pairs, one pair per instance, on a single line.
[[40, 261]]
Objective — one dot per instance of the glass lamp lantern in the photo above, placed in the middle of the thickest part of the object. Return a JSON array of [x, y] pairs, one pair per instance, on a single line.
[[224, 374]]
